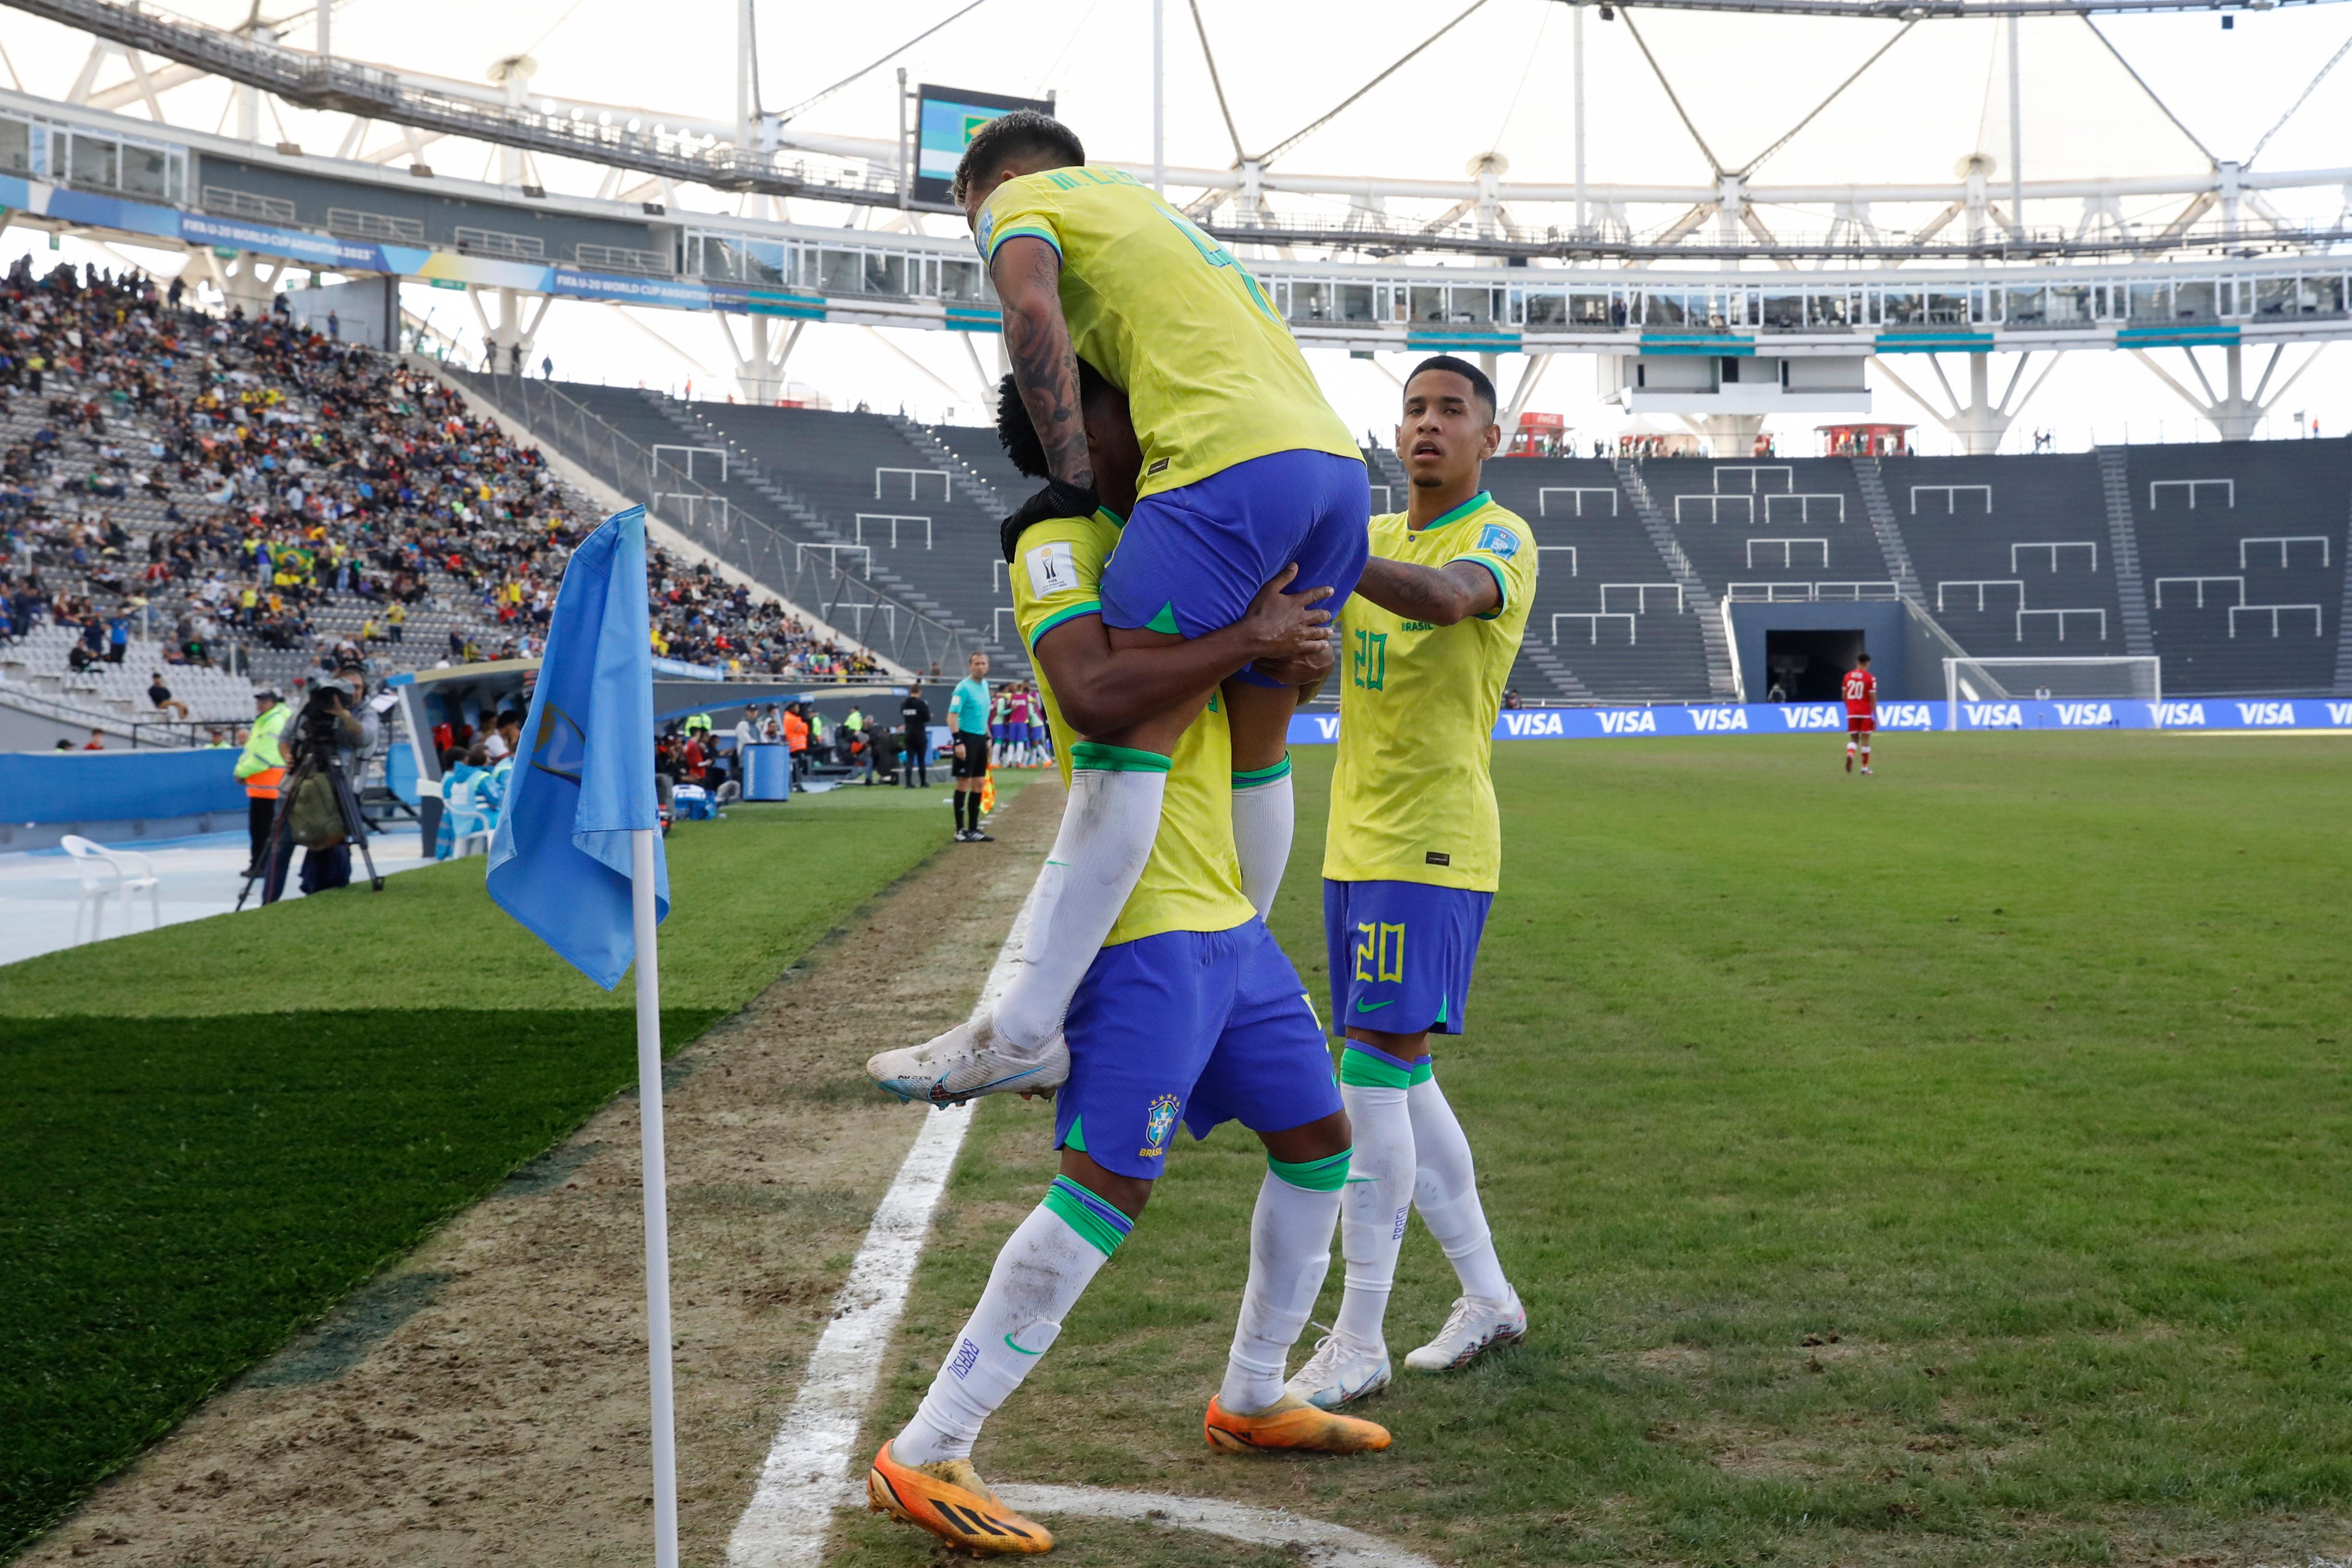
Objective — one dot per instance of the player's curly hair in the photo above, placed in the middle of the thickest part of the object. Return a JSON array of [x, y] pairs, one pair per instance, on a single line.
[[1007, 137], [1018, 435]]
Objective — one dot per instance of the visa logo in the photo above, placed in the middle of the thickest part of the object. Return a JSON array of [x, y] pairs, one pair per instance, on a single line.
[[1718, 719], [2075, 715], [1632, 721], [2339, 713], [2266, 714], [1809, 717], [1326, 727], [1525, 725], [1995, 715], [1904, 715], [2179, 716]]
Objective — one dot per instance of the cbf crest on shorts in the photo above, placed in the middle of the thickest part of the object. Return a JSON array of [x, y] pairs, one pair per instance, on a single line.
[[1159, 1121], [1497, 539]]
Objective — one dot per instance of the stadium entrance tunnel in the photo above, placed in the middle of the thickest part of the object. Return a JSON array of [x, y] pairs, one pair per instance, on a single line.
[[1806, 647], [1807, 665]]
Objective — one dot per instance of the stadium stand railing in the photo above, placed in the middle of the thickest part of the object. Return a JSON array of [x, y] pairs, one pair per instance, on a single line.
[[1585, 643], [701, 485], [2241, 545], [2012, 554]]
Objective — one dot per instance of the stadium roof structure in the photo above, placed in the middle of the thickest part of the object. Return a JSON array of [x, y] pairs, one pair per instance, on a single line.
[[700, 209]]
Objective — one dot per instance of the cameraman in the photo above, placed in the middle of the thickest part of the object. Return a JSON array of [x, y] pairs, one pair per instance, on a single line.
[[334, 733]]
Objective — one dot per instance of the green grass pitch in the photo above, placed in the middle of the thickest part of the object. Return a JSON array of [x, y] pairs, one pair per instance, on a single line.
[[214, 1131], [1946, 1167]]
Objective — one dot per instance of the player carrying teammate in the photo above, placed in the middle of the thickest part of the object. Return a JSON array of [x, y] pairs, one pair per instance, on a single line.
[[1411, 862], [1188, 1012], [1860, 688], [1243, 470]]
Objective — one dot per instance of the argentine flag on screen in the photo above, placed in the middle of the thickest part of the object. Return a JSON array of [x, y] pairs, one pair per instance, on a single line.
[[584, 771]]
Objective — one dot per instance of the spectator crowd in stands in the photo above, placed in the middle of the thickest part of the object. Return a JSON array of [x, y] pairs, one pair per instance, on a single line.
[[296, 474]]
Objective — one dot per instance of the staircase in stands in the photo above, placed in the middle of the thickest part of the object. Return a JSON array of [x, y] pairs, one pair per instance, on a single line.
[[2140, 639], [1720, 681]]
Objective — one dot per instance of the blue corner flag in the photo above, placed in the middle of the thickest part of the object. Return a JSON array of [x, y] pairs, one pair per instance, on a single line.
[[583, 770]]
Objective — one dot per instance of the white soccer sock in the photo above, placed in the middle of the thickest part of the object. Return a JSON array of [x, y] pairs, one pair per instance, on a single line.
[[1380, 1195], [1445, 1191], [1263, 821], [1038, 1278], [1107, 828], [1290, 1251]]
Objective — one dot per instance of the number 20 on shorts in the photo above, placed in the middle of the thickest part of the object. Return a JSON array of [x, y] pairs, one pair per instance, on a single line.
[[1381, 951]]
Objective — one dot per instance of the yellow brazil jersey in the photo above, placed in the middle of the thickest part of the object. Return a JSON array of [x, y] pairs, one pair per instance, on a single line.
[[1212, 376], [1194, 880], [1413, 797]]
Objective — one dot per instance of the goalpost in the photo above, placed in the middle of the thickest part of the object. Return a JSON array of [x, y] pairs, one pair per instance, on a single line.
[[2119, 678]]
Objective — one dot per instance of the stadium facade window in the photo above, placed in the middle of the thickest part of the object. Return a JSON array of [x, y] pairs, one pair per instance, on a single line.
[[93, 161], [146, 172], [2068, 305], [885, 274], [840, 271], [1949, 309], [2151, 301], [962, 280], [1428, 303], [1357, 302], [1782, 312], [1902, 307], [2199, 301], [1835, 309], [2022, 307], [15, 147]]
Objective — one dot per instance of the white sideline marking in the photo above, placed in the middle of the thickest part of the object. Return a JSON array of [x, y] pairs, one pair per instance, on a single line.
[[802, 1481], [1326, 1545]]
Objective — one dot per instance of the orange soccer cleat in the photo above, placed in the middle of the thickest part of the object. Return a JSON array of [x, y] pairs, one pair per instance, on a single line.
[[948, 1498], [1292, 1423]]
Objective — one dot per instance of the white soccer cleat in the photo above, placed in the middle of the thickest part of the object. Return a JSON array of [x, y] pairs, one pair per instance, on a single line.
[[969, 1060], [1339, 1373], [1472, 1327]]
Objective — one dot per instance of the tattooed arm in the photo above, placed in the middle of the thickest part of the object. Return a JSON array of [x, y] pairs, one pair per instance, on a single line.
[[1441, 596], [1027, 275]]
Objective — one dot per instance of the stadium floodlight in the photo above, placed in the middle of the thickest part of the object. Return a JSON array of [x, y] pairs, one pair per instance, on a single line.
[[2118, 678]]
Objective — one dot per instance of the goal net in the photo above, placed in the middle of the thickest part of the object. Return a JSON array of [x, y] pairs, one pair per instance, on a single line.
[[2027, 680]]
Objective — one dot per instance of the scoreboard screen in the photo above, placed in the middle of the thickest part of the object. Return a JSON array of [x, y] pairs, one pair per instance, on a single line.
[[946, 120]]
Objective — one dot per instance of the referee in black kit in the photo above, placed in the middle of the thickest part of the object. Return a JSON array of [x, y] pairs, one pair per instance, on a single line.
[[915, 718]]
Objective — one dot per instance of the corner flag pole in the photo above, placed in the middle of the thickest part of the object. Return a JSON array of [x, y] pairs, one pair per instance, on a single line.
[[657, 1181]]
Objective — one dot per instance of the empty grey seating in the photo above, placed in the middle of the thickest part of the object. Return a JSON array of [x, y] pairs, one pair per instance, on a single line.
[[2014, 554], [1772, 528], [2242, 547], [1638, 645]]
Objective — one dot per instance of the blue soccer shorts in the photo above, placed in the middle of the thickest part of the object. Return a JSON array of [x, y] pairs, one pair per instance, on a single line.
[[1190, 559], [1401, 954], [1202, 1026]]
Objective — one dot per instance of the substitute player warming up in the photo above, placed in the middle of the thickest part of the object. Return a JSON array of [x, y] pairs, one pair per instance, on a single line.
[[1411, 862], [1860, 689]]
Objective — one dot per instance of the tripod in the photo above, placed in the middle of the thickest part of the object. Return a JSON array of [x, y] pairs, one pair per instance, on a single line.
[[270, 870]]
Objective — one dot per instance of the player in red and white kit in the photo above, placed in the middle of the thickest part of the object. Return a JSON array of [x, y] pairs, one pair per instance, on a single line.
[[1860, 689]]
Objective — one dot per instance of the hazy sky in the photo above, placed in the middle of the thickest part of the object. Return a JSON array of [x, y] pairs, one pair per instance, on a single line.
[[1499, 81]]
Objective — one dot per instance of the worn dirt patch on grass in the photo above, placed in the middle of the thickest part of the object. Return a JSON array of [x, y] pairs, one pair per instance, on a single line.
[[485, 1399]]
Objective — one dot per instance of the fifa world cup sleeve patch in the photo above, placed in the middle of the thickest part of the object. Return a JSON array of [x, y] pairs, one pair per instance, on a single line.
[[1052, 569], [1497, 539]]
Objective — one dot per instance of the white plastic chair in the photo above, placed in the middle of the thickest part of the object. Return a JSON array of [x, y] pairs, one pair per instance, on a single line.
[[106, 873], [468, 822]]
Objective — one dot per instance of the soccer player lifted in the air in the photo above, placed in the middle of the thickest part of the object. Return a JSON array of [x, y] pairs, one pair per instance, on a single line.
[[1188, 1012], [1860, 689], [1411, 863], [1243, 470]]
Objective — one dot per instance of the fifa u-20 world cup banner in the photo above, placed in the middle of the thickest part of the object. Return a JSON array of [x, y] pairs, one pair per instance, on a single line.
[[1812, 719]]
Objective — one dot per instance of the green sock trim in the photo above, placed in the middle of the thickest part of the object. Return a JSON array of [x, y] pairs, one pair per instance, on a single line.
[[1082, 1212], [1256, 777], [1314, 1175], [1368, 1071], [1089, 755]]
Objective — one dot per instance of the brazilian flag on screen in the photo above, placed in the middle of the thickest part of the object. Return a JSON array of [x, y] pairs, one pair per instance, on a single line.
[[583, 772]]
